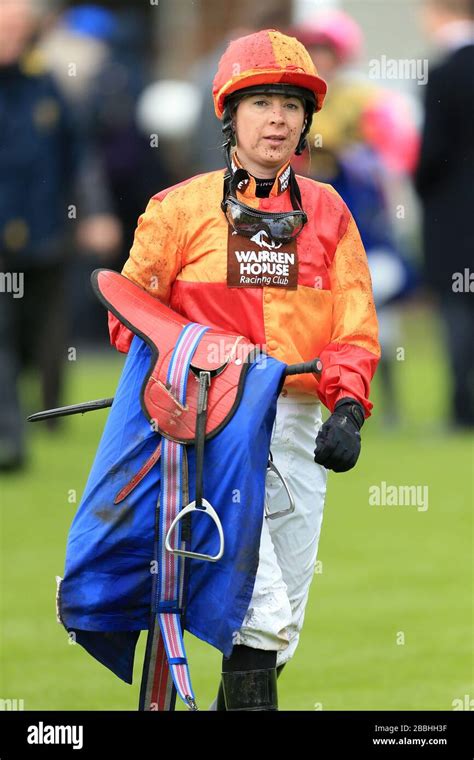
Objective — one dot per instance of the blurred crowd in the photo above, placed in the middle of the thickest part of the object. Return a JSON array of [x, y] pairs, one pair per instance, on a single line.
[[89, 132]]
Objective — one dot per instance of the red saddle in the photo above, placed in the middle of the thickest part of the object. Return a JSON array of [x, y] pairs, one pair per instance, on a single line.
[[225, 356]]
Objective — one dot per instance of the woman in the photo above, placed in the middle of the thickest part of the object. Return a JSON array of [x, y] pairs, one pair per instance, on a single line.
[[257, 251]]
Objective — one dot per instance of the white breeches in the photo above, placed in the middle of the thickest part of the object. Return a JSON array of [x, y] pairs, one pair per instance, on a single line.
[[288, 544]]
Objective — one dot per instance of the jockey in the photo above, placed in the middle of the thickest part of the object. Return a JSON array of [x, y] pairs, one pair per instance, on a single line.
[[256, 250]]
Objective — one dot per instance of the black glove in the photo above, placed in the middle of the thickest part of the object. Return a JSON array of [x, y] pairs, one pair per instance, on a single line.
[[338, 441]]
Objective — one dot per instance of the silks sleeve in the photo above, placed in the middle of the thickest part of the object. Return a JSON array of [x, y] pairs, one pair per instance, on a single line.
[[153, 263], [351, 357]]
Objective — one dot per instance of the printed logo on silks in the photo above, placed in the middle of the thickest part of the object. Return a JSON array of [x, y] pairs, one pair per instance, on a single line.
[[258, 262]]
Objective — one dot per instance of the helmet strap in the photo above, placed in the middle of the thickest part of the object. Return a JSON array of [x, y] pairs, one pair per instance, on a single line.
[[303, 142], [233, 177]]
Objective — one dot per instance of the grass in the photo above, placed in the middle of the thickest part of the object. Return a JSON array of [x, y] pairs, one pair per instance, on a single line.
[[389, 620]]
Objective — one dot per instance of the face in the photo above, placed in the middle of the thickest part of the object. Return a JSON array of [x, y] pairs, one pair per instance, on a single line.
[[16, 27], [325, 60], [432, 18], [268, 129]]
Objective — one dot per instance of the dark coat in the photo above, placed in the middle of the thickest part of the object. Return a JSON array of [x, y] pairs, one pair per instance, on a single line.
[[38, 163], [444, 178]]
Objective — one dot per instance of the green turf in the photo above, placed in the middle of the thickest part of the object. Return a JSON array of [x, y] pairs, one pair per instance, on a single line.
[[390, 574]]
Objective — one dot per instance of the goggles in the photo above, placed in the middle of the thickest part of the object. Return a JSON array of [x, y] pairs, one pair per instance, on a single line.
[[247, 221]]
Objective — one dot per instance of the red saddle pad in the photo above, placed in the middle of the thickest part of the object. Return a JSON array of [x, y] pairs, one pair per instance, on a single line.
[[225, 355]]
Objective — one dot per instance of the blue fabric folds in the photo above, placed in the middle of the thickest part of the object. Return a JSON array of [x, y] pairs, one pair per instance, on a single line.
[[105, 595]]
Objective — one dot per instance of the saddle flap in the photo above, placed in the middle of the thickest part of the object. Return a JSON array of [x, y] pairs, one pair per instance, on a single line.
[[143, 314]]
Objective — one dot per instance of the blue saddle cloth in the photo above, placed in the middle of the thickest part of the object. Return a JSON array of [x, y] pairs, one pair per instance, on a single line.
[[105, 594]]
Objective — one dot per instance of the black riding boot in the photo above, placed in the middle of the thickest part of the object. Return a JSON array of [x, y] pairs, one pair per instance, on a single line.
[[219, 703], [250, 690], [249, 680]]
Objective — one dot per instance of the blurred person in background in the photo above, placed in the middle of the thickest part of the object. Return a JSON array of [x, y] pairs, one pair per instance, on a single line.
[[39, 155], [444, 180], [76, 47], [110, 52], [362, 140]]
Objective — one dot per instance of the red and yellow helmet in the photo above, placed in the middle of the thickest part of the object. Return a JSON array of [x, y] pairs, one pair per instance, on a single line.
[[265, 58]]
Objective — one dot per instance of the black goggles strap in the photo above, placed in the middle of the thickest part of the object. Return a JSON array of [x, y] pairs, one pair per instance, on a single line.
[[232, 179]]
